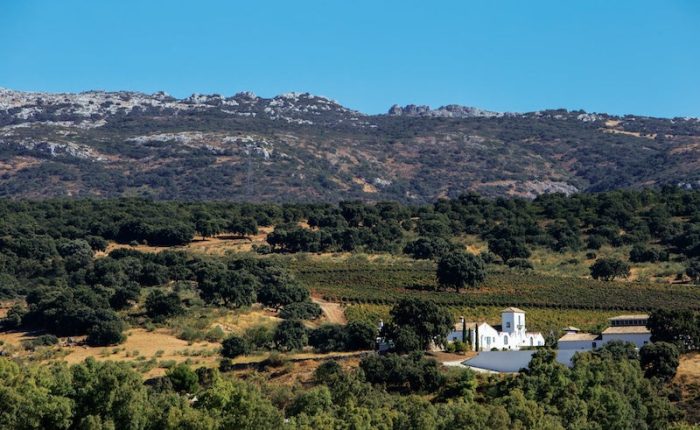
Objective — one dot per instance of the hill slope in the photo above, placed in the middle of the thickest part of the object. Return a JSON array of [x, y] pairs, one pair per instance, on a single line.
[[304, 147]]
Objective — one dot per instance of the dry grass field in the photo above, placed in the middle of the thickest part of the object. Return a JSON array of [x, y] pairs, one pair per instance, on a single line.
[[218, 245], [688, 379]]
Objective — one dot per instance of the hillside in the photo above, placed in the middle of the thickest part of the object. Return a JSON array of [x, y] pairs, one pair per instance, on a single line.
[[303, 147]]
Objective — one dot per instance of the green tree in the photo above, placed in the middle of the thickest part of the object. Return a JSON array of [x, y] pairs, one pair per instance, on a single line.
[[460, 269], [509, 248], [290, 335], [106, 332], [659, 359], [182, 378], [428, 321], [607, 269], [161, 306], [233, 346], [680, 327], [693, 270]]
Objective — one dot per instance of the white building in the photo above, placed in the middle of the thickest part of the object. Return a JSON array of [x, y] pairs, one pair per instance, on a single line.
[[626, 328], [510, 335]]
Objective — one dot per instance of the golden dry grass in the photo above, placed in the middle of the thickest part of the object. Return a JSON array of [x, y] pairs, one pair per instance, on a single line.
[[239, 322], [689, 369], [218, 245]]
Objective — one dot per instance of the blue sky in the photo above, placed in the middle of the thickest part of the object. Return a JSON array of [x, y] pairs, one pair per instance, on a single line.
[[617, 56]]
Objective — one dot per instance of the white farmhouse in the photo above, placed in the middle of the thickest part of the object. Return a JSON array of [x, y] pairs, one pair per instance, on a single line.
[[627, 328], [510, 335]]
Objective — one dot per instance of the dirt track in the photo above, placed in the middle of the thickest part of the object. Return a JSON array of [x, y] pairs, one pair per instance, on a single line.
[[333, 311]]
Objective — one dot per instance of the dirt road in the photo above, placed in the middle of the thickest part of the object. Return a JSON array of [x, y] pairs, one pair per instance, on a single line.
[[333, 311]]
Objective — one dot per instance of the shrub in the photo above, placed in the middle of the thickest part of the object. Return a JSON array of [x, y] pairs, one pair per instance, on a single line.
[[290, 335], [106, 332], [659, 359], [259, 337], [43, 340], [182, 378], [520, 263], [160, 306], [608, 269], [301, 310], [234, 346], [329, 337], [215, 334], [361, 335]]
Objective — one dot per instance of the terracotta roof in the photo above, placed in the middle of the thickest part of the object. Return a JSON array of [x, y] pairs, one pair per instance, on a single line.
[[633, 329], [512, 309], [578, 337], [629, 317]]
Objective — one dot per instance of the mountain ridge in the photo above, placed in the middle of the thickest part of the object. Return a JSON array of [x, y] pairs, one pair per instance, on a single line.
[[299, 146]]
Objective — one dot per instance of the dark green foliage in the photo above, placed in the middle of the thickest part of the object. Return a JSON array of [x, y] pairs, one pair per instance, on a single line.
[[301, 311], [106, 332], [182, 378], [679, 327], [312, 402], [354, 336], [14, 317], [233, 346], [693, 270], [361, 335], [278, 289], [460, 269], [595, 241], [66, 312], [290, 335], [43, 340], [259, 337], [228, 288], [409, 373], [659, 359], [329, 337], [428, 248], [161, 306], [643, 254], [123, 297], [9, 287], [619, 350], [424, 320], [520, 263], [508, 248], [243, 226], [607, 269]]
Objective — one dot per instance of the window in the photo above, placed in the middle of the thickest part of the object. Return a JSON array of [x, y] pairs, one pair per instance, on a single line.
[[505, 340], [508, 324]]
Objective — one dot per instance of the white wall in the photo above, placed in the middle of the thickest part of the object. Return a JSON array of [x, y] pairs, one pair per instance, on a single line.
[[511, 321], [638, 339], [511, 361], [585, 345]]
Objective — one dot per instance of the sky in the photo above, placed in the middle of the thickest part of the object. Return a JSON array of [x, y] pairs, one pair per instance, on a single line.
[[621, 56]]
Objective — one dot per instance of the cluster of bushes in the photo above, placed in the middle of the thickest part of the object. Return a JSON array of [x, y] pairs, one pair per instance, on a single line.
[[292, 335], [602, 390]]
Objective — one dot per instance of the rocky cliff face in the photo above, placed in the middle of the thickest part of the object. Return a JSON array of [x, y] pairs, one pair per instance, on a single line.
[[300, 147]]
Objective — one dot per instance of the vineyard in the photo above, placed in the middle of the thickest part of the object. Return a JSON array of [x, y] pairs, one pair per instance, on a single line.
[[372, 283], [538, 319]]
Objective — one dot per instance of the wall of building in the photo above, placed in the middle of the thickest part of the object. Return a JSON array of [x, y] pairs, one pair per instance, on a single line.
[[638, 339], [578, 344], [511, 361]]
